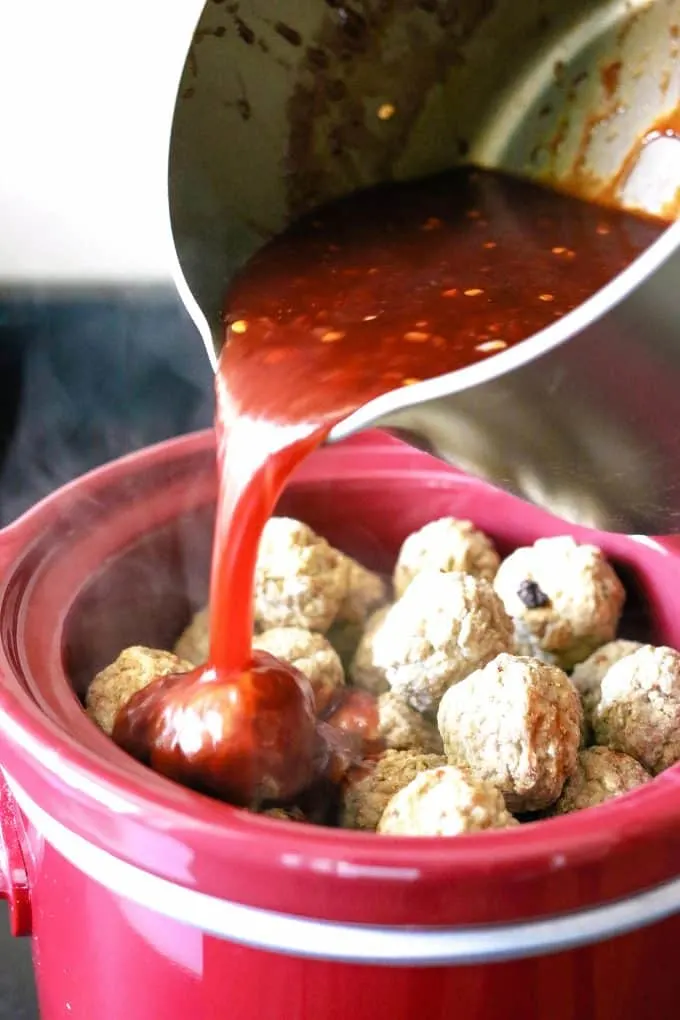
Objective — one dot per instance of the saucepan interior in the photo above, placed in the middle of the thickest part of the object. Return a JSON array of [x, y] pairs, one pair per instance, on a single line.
[[277, 114]]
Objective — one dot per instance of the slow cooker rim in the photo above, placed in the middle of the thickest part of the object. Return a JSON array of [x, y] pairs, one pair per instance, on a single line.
[[547, 846], [122, 780], [19, 713], [319, 938]]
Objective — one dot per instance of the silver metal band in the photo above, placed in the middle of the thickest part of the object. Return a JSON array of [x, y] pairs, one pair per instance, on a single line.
[[389, 946]]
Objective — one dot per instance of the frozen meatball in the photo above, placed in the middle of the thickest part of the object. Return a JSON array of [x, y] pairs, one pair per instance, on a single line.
[[369, 789], [588, 675], [300, 580], [134, 669], [442, 628], [363, 670], [600, 775], [639, 707], [449, 545], [194, 642], [404, 729], [517, 724], [445, 801], [565, 598], [309, 652], [366, 593]]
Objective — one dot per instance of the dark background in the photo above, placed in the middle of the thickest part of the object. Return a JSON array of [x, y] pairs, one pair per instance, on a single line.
[[86, 377]]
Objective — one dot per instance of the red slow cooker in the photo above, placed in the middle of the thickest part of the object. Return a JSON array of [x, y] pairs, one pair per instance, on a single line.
[[145, 900]]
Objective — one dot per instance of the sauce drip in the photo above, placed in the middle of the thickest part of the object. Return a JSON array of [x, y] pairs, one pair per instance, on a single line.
[[383, 289]]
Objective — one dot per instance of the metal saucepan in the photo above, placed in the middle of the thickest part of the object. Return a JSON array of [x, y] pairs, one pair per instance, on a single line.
[[279, 112]]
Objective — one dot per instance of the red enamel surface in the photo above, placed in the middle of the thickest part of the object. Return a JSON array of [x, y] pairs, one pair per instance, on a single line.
[[14, 885], [121, 960], [365, 495]]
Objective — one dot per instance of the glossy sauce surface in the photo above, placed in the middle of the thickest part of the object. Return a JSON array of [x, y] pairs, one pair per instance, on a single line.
[[381, 290], [245, 736]]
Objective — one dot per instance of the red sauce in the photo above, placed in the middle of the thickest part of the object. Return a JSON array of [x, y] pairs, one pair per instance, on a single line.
[[248, 735], [381, 290], [356, 713]]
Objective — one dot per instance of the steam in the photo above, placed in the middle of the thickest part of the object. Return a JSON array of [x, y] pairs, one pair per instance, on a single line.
[[94, 375]]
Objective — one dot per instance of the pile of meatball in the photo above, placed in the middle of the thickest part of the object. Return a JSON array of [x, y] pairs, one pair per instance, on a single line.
[[501, 691]]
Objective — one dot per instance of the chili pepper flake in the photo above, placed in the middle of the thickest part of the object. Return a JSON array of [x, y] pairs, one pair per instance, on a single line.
[[491, 345], [386, 111]]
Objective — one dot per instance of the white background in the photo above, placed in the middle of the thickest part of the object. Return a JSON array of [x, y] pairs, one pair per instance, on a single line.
[[87, 90]]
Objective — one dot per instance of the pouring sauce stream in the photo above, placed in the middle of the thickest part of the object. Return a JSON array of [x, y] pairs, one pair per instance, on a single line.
[[386, 288]]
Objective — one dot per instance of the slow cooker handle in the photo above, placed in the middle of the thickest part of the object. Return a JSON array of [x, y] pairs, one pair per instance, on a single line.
[[13, 875]]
